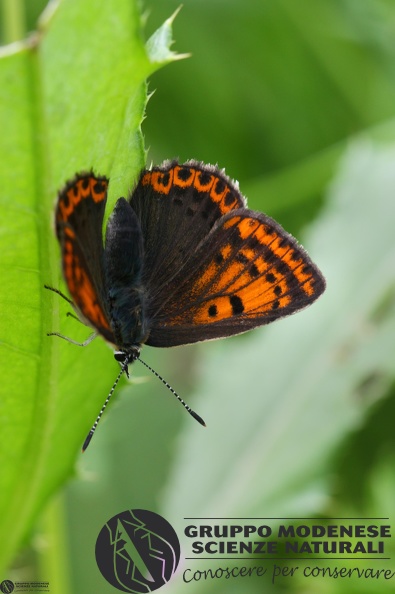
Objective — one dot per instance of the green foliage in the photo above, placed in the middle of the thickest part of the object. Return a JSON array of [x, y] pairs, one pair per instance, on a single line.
[[299, 414]]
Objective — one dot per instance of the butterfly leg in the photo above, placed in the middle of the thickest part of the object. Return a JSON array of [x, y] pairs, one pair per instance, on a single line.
[[81, 344], [71, 315], [59, 293]]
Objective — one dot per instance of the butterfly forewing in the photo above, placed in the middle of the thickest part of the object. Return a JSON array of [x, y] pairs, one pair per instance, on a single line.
[[79, 219], [177, 205]]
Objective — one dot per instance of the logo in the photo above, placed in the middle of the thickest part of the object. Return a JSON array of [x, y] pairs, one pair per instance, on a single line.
[[184, 260], [137, 551], [7, 586]]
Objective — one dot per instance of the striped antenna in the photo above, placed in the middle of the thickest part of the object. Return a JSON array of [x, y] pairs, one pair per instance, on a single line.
[[124, 368], [185, 405]]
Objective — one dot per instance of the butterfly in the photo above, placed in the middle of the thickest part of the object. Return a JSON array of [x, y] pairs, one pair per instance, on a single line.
[[184, 260]]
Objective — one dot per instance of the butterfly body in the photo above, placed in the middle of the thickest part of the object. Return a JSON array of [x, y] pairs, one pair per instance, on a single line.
[[126, 297], [184, 259]]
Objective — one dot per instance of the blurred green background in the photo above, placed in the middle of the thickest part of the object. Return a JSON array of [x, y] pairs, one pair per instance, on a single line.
[[297, 101]]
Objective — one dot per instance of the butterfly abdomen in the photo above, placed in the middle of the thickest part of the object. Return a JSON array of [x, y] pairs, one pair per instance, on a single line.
[[127, 316]]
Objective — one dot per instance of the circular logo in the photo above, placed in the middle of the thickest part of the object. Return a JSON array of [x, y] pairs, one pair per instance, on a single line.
[[137, 551], [7, 586]]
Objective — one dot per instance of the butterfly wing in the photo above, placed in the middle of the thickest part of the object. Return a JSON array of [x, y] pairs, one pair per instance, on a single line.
[[211, 277], [177, 205], [79, 219], [246, 273]]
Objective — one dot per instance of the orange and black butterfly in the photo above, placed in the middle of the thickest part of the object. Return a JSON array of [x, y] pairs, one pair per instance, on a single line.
[[184, 260]]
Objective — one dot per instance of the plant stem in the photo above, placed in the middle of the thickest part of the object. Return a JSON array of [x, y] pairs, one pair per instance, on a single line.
[[13, 13], [53, 559]]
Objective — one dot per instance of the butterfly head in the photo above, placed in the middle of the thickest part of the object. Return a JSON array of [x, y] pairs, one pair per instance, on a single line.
[[125, 358]]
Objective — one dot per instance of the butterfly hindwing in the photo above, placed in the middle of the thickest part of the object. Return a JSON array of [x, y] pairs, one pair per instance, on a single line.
[[247, 272]]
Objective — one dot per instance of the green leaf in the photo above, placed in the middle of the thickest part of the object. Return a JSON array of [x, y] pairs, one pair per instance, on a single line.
[[158, 45], [279, 405], [72, 99]]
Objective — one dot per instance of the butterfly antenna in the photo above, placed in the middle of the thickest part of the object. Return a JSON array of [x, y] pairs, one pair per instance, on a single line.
[[185, 405], [91, 432]]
